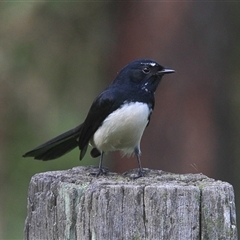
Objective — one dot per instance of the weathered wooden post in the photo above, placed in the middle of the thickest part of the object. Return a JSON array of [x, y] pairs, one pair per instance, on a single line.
[[74, 205]]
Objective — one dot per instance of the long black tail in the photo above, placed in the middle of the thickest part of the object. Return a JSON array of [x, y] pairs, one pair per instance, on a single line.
[[57, 146]]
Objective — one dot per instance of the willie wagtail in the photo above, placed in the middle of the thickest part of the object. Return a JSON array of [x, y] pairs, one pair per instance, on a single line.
[[116, 119]]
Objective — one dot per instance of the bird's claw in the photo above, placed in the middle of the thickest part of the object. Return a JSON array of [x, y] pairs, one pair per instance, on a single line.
[[101, 171], [141, 173]]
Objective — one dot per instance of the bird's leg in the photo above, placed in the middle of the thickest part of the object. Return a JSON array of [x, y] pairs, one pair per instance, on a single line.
[[101, 170], [140, 171]]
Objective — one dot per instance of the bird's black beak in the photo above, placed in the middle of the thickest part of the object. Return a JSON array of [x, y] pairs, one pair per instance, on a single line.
[[165, 71]]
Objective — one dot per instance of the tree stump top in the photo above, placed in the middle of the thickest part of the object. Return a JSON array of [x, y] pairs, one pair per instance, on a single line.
[[78, 175], [72, 204]]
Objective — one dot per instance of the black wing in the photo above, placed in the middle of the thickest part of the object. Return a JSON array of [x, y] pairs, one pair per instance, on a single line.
[[103, 105]]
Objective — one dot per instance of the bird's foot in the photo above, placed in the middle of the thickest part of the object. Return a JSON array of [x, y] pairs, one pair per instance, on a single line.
[[101, 171], [141, 173]]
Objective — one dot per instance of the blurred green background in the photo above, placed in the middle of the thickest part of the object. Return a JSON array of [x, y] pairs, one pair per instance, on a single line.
[[55, 57]]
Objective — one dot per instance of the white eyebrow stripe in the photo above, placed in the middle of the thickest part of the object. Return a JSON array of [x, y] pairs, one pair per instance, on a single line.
[[150, 63]]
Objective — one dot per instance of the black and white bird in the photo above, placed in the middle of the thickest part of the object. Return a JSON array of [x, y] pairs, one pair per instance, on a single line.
[[116, 119]]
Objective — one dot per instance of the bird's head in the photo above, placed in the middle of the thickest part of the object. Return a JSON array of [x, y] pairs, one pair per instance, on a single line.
[[143, 73]]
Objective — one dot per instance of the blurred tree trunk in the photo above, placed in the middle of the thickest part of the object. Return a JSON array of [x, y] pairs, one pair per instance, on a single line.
[[184, 134]]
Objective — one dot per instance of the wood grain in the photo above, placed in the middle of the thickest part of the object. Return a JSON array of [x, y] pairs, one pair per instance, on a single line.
[[72, 204]]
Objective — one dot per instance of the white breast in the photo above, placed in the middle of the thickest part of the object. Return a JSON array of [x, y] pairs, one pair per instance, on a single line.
[[122, 129]]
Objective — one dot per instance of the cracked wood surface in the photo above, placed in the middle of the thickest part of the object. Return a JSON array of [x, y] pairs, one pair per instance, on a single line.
[[72, 204]]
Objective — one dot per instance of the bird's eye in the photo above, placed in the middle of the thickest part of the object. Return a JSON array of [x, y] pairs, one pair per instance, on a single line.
[[146, 70]]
